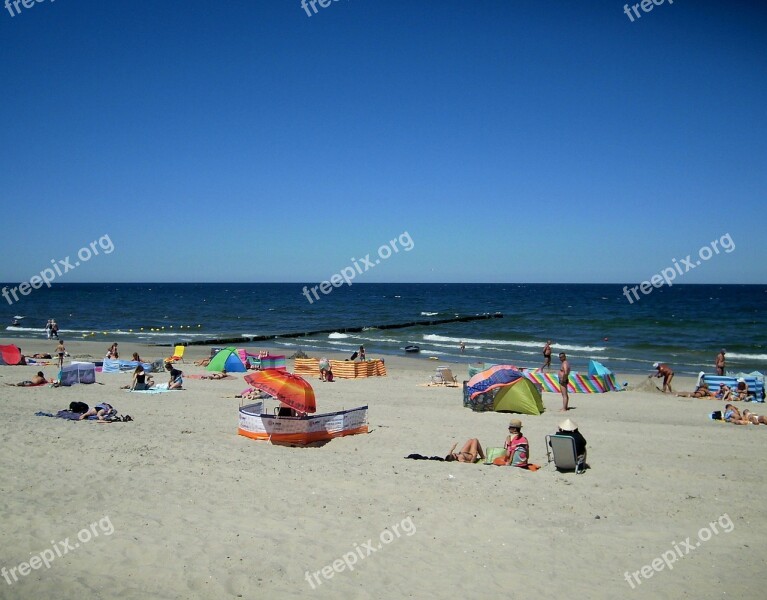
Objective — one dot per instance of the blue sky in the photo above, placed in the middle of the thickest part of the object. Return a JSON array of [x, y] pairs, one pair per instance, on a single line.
[[237, 140]]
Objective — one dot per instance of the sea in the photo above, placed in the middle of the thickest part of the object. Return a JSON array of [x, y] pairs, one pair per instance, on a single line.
[[684, 326]]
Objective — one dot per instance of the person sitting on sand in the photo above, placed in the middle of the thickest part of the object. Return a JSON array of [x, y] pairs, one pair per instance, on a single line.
[[136, 358], [517, 446], [176, 377], [701, 391], [324, 368], [470, 453], [203, 362], [724, 393], [741, 390], [141, 381], [664, 371], [112, 352], [221, 375], [38, 379]]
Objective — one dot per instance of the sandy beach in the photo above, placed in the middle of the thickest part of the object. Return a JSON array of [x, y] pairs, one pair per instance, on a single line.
[[176, 505]]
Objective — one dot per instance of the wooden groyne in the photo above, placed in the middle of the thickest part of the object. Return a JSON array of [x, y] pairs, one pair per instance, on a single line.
[[299, 334]]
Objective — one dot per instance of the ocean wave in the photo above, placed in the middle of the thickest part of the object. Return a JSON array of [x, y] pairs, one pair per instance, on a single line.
[[338, 336], [429, 314], [491, 342], [747, 356]]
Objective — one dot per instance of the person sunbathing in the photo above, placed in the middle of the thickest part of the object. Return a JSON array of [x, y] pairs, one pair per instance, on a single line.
[[754, 418], [203, 362], [101, 411], [732, 415], [701, 391], [41, 356], [470, 453], [221, 375], [38, 379]]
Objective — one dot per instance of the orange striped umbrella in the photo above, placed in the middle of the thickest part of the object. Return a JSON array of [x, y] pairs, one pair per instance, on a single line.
[[292, 390]]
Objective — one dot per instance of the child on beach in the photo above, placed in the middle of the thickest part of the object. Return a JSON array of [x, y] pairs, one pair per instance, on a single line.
[[61, 351]]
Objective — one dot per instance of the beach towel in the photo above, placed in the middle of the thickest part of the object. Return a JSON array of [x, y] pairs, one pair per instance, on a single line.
[[158, 389]]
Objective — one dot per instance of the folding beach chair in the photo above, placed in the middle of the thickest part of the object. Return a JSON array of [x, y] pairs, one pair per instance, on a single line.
[[178, 354], [444, 376], [561, 449]]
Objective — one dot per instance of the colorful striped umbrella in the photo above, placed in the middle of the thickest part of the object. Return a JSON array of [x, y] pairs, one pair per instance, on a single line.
[[292, 390]]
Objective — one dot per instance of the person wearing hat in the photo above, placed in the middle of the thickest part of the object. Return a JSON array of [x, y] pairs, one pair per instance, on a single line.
[[664, 371], [570, 429], [720, 363], [517, 446]]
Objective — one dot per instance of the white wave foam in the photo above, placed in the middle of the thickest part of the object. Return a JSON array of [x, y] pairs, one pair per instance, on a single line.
[[429, 314], [484, 342], [338, 336], [747, 356]]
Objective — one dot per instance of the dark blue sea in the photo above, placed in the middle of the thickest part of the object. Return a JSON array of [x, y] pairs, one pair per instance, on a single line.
[[683, 325]]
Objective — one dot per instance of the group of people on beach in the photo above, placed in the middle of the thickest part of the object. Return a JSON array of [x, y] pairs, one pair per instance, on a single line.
[[516, 448], [664, 371]]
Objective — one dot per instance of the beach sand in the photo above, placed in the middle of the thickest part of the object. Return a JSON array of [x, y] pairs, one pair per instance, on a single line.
[[186, 508]]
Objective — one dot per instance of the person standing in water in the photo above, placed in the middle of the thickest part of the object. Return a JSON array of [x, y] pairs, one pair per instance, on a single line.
[[546, 355]]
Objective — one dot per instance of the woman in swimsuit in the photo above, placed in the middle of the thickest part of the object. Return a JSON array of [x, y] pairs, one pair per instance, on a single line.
[[470, 453], [753, 418], [61, 351], [140, 379], [732, 415]]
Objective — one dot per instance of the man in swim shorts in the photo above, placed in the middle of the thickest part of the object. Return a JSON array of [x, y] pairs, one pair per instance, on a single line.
[[564, 380], [664, 371]]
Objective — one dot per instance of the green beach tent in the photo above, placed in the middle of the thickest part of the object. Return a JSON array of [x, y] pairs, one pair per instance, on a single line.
[[520, 397], [227, 360]]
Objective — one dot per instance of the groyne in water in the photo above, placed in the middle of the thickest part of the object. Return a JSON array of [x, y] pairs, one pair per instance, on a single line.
[[299, 334]]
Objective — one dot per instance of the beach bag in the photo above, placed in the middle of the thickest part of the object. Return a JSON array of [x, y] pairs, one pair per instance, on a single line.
[[492, 453]]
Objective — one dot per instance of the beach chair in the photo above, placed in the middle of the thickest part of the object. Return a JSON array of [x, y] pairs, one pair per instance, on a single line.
[[561, 450], [178, 354], [444, 376]]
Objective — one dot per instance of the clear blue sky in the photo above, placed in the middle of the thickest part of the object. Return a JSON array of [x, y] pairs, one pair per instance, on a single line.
[[240, 140]]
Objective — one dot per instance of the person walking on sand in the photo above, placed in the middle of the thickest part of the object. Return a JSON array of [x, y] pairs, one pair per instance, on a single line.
[[546, 355], [564, 380], [61, 351], [664, 371], [720, 363]]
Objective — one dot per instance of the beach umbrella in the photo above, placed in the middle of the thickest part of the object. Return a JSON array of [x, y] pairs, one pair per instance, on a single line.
[[492, 378], [292, 390]]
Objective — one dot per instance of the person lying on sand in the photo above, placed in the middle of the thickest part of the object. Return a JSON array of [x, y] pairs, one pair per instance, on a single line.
[[732, 415], [701, 391], [38, 379], [203, 362], [470, 453], [103, 412], [754, 418], [41, 356], [221, 375]]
